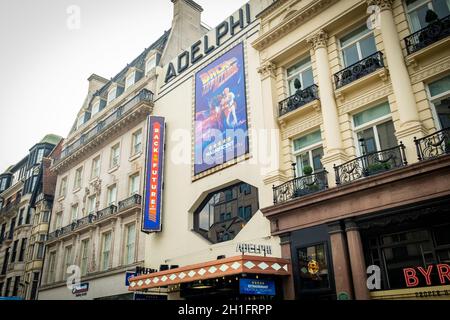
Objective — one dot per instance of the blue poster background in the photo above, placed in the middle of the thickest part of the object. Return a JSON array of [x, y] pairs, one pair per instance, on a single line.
[[257, 287], [220, 111]]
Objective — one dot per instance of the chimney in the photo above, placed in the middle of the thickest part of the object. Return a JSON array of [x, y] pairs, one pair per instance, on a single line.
[[186, 28], [96, 82]]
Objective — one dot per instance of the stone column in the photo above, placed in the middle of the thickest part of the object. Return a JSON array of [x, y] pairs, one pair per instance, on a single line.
[[357, 263], [410, 125], [333, 139], [288, 282], [341, 266], [273, 173]]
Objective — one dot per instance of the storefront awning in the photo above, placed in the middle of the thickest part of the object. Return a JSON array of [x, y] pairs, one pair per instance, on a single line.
[[211, 270]]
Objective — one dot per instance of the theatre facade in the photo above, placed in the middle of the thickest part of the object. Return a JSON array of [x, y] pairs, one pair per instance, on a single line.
[[211, 240], [360, 92]]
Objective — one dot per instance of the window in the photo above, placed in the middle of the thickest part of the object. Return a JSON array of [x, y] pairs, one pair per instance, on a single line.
[[313, 267], [417, 10], [80, 120], [130, 244], [302, 71], [151, 63], [134, 184], [129, 81], [95, 172], [63, 187], [34, 285], [374, 129], [112, 94], [112, 195], [46, 216], [74, 213], [30, 214], [308, 152], [14, 251], [20, 218], [40, 251], [58, 220], [106, 250], [67, 260], [137, 142], [78, 178], [7, 287], [223, 214], [84, 256], [357, 45], [40, 155], [440, 98], [15, 292], [115, 156], [92, 201], [51, 267], [23, 246], [95, 108]]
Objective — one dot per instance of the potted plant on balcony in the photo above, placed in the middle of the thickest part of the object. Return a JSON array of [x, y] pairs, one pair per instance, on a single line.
[[307, 170], [377, 167]]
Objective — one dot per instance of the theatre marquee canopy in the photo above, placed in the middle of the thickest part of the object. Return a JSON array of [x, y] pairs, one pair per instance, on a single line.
[[211, 270]]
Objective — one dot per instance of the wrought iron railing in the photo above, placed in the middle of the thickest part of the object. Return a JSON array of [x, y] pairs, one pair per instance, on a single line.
[[130, 202], [116, 115], [432, 33], [300, 186], [106, 212], [359, 69], [300, 98], [433, 145], [85, 221], [371, 164]]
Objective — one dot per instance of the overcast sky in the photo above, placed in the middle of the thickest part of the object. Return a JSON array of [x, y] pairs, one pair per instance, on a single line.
[[45, 64]]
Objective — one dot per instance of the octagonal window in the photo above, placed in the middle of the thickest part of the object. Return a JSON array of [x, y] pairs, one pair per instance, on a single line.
[[224, 213]]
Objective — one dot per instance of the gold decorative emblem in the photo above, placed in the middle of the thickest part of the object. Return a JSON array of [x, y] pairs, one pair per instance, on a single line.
[[313, 267]]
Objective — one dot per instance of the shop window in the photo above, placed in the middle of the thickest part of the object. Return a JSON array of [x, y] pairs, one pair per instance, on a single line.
[[374, 129], [417, 10], [302, 71], [308, 153], [357, 45], [440, 98], [313, 268], [223, 214]]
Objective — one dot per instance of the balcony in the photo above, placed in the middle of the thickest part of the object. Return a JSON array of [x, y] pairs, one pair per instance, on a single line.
[[433, 145], [300, 186], [106, 127], [371, 164], [358, 70], [425, 37], [299, 99], [91, 219]]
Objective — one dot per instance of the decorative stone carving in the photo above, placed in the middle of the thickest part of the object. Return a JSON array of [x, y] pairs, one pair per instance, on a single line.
[[382, 4], [268, 69], [318, 40]]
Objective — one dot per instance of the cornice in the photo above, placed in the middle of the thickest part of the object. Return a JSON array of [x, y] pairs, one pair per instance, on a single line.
[[287, 26]]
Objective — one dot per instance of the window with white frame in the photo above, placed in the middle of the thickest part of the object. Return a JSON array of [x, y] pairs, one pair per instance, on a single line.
[[84, 256], [92, 200], [95, 108], [95, 172], [63, 187], [129, 81], [308, 152], [112, 94], [136, 142], [74, 213], [80, 120], [78, 178], [40, 155], [67, 260], [301, 70], [150, 64], [134, 184], [130, 239], [112, 195], [416, 11], [51, 267], [115, 156], [106, 251], [357, 45], [374, 129], [58, 220], [440, 98]]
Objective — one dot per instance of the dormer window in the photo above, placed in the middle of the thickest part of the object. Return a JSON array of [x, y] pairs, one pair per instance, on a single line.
[[129, 81], [95, 108], [150, 65], [80, 121], [112, 94]]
